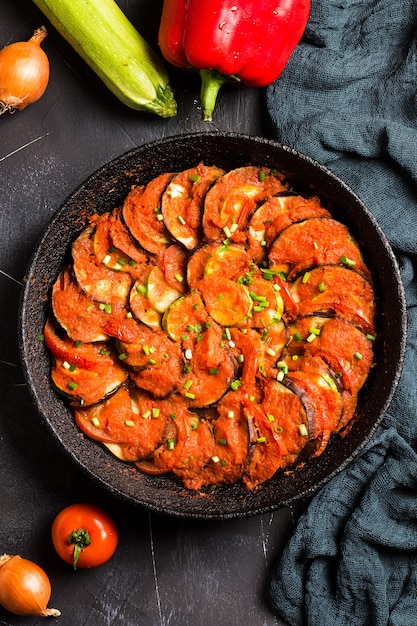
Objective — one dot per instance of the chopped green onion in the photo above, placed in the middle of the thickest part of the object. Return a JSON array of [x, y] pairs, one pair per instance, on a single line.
[[155, 412], [122, 356], [171, 444], [181, 220], [190, 395], [329, 380], [261, 440], [129, 423], [306, 277], [303, 430], [358, 356], [72, 385], [179, 277], [346, 261]]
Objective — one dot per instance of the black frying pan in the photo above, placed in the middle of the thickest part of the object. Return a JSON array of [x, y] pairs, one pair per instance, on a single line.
[[104, 190]]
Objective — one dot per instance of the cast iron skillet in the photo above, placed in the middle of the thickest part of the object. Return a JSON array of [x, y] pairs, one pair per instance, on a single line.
[[104, 190]]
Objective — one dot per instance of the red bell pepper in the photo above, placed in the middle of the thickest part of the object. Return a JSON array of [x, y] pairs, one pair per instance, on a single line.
[[247, 41]]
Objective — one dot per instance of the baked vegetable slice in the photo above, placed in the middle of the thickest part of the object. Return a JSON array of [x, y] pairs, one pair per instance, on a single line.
[[182, 203], [316, 241], [264, 452], [228, 302], [338, 290], [122, 239], [99, 282], [129, 419], [209, 369], [142, 216], [278, 212], [78, 314], [103, 36], [315, 383], [83, 373], [233, 198]]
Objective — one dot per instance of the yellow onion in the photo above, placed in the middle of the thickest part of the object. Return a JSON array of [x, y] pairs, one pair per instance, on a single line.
[[25, 588], [24, 72]]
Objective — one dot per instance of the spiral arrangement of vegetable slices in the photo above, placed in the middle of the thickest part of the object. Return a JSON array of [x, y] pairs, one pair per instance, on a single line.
[[217, 326]]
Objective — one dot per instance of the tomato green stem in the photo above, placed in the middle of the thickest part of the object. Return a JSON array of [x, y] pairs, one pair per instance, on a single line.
[[79, 539]]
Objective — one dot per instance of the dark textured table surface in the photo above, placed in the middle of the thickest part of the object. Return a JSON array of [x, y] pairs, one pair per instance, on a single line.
[[165, 571]]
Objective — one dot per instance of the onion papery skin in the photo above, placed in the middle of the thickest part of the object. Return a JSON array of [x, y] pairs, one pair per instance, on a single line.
[[25, 588], [24, 72]]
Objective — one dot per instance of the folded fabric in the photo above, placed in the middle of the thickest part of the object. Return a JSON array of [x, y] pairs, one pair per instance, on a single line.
[[348, 98]]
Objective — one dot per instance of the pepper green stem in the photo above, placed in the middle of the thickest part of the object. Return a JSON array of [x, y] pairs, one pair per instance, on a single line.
[[211, 81], [79, 539]]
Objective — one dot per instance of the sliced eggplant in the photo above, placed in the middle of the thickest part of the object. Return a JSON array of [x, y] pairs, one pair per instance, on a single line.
[[141, 306], [315, 241], [209, 369], [159, 292], [264, 453], [156, 360], [287, 415], [182, 203], [174, 266], [78, 314], [337, 290], [142, 216], [232, 199], [123, 240], [96, 280], [88, 384], [318, 389], [278, 212]]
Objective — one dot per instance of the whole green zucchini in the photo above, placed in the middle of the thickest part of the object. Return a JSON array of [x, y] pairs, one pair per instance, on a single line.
[[104, 37]]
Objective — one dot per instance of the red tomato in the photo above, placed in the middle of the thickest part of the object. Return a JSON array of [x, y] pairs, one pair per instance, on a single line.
[[84, 535]]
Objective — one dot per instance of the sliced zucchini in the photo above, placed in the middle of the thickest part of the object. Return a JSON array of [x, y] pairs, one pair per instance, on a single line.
[[229, 261], [184, 313], [228, 302]]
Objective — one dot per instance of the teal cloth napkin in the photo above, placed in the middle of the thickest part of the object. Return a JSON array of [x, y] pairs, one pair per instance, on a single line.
[[348, 98]]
